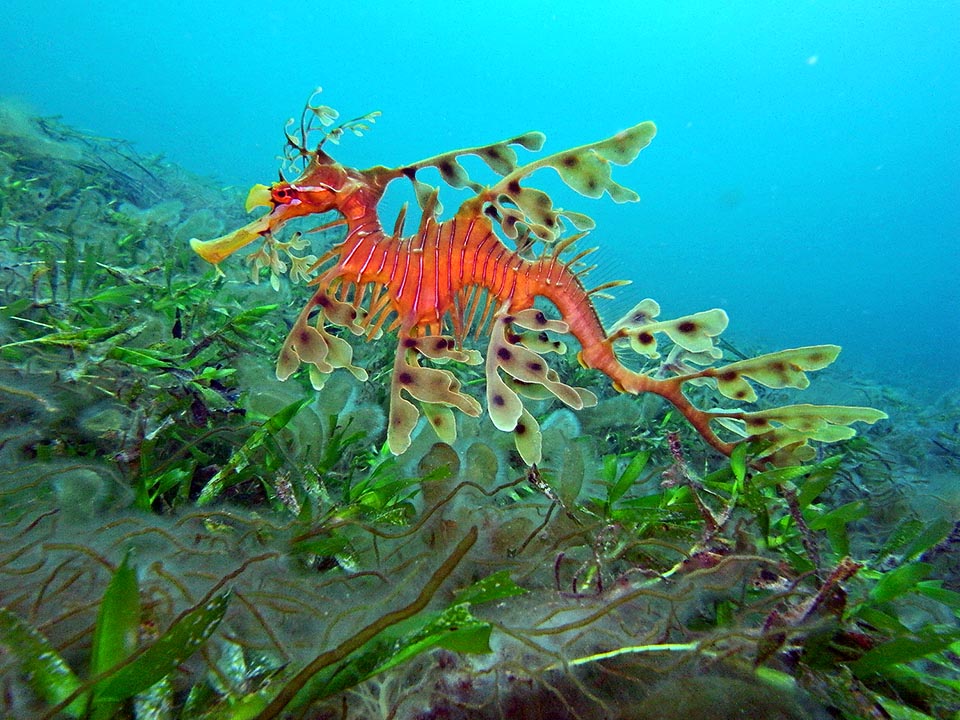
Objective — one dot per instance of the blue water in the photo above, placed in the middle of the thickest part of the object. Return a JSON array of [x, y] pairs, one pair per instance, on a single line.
[[805, 175]]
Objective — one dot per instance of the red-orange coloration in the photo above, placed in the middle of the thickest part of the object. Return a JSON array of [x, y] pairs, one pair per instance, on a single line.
[[457, 276]]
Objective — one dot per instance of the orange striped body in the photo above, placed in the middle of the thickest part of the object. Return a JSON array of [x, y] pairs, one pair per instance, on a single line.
[[429, 275]]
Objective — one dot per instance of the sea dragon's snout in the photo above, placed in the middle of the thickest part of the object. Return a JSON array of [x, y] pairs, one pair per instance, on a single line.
[[219, 249]]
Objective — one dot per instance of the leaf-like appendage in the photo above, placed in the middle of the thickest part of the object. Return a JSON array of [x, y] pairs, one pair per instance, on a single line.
[[586, 169], [785, 368], [442, 421], [317, 118], [499, 157], [436, 389], [403, 419], [694, 333], [811, 419], [313, 344], [784, 433], [453, 173], [527, 438], [527, 374], [623, 148]]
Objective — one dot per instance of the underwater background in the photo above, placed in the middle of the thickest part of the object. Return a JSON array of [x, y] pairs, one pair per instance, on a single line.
[[182, 536]]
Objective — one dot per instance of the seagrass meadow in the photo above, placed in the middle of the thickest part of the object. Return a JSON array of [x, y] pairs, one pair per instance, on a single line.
[[183, 535]]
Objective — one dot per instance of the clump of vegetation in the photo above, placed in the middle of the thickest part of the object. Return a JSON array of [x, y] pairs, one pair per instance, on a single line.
[[183, 537]]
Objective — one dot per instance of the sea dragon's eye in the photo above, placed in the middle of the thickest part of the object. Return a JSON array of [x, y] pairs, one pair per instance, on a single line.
[[282, 195]]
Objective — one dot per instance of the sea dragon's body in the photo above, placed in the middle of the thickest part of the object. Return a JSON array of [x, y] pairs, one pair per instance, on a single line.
[[439, 284]]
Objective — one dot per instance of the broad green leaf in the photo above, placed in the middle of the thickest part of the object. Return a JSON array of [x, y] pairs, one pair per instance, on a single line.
[[493, 587], [455, 629], [229, 473], [755, 501], [16, 307], [933, 533], [175, 646], [905, 649], [906, 531], [933, 590], [897, 711], [630, 475], [738, 462], [139, 358], [840, 516], [811, 488], [115, 295], [571, 477], [609, 471], [116, 634], [254, 313], [883, 622], [897, 582], [834, 523], [214, 373], [778, 476], [48, 673]]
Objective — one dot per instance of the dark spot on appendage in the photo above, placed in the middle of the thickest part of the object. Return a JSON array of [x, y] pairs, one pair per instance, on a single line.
[[445, 167], [592, 184], [687, 326], [404, 378], [441, 344], [535, 366], [408, 172], [645, 338], [504, 353], [514, 187], [756, 422], [520, 429], [777, 367], [729, 375], [507, 319], [542, 336], [498, 400], [323, 301], [409, 342], [740, 395], [570, 160], [540, 318], [513, 338]]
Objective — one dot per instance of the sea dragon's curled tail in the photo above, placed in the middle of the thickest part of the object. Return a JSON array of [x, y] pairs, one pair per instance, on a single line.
[[455, 277]]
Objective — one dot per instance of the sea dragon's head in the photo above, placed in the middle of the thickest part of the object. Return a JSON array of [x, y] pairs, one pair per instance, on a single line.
[[323, 186]]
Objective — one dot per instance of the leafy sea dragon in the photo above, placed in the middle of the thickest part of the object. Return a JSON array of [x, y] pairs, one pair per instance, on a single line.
[[454, 276]]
